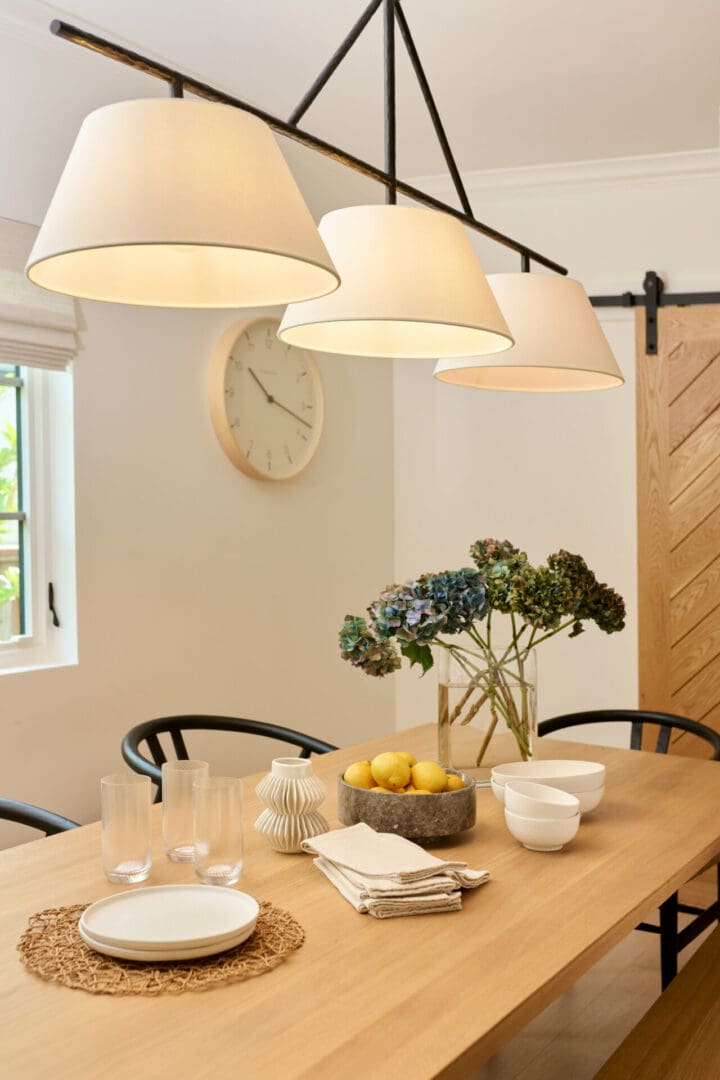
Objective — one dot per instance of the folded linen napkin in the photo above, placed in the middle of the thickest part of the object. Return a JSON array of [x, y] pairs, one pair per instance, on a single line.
[[386, 855], [388, 906], [384, 875]]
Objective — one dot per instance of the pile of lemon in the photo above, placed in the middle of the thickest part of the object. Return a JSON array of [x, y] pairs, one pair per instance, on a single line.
[[400, 773]]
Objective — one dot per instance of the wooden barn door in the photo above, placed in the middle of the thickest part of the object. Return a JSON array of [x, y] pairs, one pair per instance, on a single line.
[[678, 411]]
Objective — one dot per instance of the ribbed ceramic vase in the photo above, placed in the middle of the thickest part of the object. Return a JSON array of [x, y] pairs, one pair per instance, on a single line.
[[292, 795]]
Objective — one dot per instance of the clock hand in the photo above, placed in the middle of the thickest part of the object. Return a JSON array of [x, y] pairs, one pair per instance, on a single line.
[[273, 400], [280, 405], [269, 397]]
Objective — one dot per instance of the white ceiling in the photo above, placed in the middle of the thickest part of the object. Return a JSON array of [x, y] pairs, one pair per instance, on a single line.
[[517, 81]]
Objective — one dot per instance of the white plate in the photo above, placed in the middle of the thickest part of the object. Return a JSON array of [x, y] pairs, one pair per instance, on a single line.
[[165, 954], [170, 916]]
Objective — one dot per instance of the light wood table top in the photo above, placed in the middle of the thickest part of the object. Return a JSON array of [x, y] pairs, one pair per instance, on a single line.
[[429, 996]]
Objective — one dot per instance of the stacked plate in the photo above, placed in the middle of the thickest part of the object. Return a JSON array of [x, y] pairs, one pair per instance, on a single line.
[[169, 922]]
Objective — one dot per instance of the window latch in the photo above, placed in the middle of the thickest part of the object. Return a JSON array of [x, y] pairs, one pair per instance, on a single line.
[[51, 604]]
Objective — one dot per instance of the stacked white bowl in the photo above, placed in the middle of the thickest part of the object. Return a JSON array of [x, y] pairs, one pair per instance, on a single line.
[[585, 779], [547, 817], [540, 817]]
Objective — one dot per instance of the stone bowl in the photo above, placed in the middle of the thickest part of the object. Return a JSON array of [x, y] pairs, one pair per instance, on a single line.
[[416, 817]]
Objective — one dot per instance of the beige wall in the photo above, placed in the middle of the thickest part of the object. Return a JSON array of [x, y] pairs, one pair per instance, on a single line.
[[198, 588], [550, 471]]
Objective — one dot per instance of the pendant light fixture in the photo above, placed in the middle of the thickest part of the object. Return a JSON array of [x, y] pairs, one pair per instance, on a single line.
[[177, 203], [411, 287], [559, 343], [191, 204], [192, 175]]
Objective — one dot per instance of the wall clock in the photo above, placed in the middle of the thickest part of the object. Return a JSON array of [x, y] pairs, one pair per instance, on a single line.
[[266, 400]]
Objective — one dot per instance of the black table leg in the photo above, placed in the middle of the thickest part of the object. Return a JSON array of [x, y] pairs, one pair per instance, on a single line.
[[668, 940]]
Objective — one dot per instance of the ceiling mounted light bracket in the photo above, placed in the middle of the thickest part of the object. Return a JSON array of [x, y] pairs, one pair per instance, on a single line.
[[180, 83]]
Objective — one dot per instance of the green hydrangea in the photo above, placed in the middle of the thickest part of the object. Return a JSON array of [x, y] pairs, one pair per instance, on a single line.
[[499, 563], [359, 645], [588, 598]]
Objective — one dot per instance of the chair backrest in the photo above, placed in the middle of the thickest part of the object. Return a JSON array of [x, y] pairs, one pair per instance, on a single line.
[[637, 718], [174, 726], [35, 817]]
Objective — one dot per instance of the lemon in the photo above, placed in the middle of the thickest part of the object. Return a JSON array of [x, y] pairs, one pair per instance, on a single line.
[[390, 771], [358, 774], [429, 776], [454, 783], [410, 758], [421, 791], [385, 790], [409, 790]]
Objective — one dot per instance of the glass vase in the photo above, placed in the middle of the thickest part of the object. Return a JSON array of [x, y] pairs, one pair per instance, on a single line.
[[487, 711]]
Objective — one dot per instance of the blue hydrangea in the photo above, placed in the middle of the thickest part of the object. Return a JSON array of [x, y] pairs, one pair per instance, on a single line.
[[444, 603]]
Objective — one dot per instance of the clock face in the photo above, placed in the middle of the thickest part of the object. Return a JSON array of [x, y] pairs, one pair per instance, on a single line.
[[266, 401]]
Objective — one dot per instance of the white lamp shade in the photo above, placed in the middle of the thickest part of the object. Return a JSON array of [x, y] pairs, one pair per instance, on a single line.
[[411, 286], [176, 203], [559, 343]]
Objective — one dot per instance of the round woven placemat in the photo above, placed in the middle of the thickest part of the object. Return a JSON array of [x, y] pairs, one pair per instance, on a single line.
[[52, 948]]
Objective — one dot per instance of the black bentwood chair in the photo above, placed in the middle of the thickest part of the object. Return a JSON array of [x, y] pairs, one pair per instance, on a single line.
[[174, 726], [672, 940], [36, 818]]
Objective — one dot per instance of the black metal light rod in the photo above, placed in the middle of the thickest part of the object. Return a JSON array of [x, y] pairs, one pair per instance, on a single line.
[[390, 109], [628, 299], [210, 93], [334, 62], [432, 108]]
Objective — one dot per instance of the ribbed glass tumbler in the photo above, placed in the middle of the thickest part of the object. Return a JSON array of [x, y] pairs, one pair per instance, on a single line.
[[126, 850], [178, 778], [218, 829]]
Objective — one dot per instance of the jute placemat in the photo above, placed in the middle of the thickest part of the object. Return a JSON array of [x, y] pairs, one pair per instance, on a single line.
[[52, 948]]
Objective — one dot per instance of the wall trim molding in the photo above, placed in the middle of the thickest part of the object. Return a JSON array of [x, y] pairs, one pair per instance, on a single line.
[[694, 166]]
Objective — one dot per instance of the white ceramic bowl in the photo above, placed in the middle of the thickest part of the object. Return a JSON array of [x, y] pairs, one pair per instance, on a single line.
[[498, 791], [542, 834], [588, 800], [570, 776], [539, 800]]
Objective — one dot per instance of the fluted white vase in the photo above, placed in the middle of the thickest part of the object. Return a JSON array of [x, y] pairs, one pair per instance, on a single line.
[[292, 795]]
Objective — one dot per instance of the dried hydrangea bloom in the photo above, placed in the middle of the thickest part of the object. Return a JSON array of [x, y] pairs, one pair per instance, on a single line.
[[417, 614], [363, 649], [445, 603], [590, 599], [499, 563]]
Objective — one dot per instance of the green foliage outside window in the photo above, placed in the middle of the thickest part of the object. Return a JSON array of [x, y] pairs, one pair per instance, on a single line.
[[9, 573]]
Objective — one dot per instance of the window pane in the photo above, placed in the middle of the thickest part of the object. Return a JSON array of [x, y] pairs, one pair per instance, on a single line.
[[11, 622], [8, 448]]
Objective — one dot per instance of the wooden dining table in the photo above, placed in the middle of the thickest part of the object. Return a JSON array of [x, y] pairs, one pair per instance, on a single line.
[[425, 996]]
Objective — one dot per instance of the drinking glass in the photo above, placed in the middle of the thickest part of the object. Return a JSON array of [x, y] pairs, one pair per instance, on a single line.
[[218, 831], [125, 802], [177, 807]]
